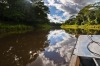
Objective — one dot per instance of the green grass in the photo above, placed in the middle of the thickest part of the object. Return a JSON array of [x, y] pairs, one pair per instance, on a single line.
[[7, 27], [94, 27]]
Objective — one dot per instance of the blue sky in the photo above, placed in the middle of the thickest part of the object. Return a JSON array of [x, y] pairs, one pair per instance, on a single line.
[[61, 10]]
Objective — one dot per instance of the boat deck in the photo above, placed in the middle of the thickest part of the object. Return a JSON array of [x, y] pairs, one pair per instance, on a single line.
[[87, 51]]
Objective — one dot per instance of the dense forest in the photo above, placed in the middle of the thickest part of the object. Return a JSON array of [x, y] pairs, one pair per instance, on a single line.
[[28, 12], [89, 15]]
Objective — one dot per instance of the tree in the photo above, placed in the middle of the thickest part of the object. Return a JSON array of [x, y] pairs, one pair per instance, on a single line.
[[88, 15], [23, 11]]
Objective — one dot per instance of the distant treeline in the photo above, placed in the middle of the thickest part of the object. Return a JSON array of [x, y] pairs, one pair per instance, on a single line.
[[30, 12], [88, 15], [55, 24]]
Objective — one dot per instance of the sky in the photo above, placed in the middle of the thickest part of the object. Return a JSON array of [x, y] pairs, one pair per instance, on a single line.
[[61, 10]]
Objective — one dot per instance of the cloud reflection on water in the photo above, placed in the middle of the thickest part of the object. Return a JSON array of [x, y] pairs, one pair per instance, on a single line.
[[56, 36], [58, 52]]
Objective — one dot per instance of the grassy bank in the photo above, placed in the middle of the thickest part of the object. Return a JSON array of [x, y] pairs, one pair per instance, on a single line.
[[94, 27], [11, 26], [7, 27]]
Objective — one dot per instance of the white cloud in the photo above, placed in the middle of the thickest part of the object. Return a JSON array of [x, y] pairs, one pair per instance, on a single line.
[[70, 6], [51, 2], [66, 1], [55, 18], [66, 14]]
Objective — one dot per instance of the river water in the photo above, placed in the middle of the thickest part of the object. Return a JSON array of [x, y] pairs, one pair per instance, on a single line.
[[40, 48]]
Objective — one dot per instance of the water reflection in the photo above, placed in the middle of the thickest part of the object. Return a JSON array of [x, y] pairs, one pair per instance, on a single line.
[[58, 52], [56, 36], [83, 32], [40, 48], [21, 49]]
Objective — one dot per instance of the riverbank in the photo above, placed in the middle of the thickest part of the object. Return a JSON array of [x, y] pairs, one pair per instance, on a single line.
[[94, 27], [22, 27], [8, 27]]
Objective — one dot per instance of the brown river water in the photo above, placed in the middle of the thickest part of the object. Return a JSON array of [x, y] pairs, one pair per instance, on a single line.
[[39, 48]]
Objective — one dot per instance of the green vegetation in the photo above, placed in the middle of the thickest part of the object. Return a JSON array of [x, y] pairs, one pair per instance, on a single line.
[[22, 14], [94, 27], [7, 27], [87, 18]]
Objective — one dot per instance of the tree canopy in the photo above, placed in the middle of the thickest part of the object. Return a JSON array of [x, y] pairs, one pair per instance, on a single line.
[[88, 15], [30, 12]]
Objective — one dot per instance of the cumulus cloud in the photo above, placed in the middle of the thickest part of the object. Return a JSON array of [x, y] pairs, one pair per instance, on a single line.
[[83, 2], [69, 7], [55, 18]]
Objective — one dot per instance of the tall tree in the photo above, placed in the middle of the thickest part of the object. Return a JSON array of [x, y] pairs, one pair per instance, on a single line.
[[88, 15], [24, 11]]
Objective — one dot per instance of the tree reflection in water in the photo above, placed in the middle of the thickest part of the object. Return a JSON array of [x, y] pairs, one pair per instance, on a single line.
[[21, 49], [83, 32]]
